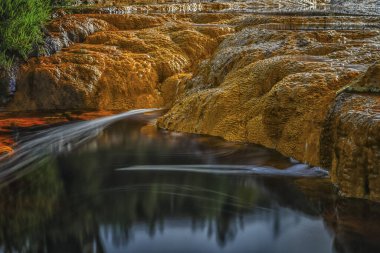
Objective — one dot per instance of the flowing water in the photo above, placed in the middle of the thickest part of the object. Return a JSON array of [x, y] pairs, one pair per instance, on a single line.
[[118, 184]]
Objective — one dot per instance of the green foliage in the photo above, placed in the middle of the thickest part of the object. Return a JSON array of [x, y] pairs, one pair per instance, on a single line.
[[20, 27], [64, 2]]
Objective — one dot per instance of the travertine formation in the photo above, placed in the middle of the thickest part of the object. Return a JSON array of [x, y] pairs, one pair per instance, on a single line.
[[273, 84], [350, 141], [273, 87], [119, 64]]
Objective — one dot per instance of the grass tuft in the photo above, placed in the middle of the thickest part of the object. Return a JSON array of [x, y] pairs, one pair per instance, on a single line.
[[20, 28]]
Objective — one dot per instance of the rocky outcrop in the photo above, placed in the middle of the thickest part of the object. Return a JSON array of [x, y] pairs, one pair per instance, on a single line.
[[7, 83], [369, 82], [66, 30], [271, 87], [119, 64], [350, 143], [275, 86]]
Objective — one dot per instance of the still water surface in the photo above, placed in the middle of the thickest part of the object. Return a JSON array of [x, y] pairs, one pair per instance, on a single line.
[[134, 188]]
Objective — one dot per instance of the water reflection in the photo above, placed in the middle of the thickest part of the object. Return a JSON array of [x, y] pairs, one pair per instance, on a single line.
[[78, 201]]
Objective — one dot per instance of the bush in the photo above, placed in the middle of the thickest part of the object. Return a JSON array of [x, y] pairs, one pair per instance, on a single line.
[[20, 28]]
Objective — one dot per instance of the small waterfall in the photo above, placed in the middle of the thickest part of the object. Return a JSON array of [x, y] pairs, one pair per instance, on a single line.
[[56, 140]]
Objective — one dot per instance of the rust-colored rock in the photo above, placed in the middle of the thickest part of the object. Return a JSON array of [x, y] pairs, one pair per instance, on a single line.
[[269, 87], [350, 145], [275, 86], [116, 66], [173, 88], [367, 82]]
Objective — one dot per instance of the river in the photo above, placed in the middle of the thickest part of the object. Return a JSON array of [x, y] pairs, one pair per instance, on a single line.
[[130, 187]]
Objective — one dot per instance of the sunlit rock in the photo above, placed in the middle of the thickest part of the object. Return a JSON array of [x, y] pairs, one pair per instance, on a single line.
[[367, 82], [271, 87], [115, 68]]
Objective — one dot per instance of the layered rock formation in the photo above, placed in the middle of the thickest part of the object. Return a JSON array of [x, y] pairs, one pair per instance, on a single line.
[[118, 64], [350, 140], [273, 84], [272, 87]]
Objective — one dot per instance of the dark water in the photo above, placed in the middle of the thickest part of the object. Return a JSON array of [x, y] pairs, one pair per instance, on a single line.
[[134, 188]]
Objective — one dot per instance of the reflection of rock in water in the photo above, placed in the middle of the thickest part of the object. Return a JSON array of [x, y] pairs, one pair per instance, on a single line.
[[99, 203], [26, 205], [355, 225]]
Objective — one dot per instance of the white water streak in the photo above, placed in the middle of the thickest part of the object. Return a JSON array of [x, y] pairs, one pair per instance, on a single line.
[[58, 139], [298, 170]]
